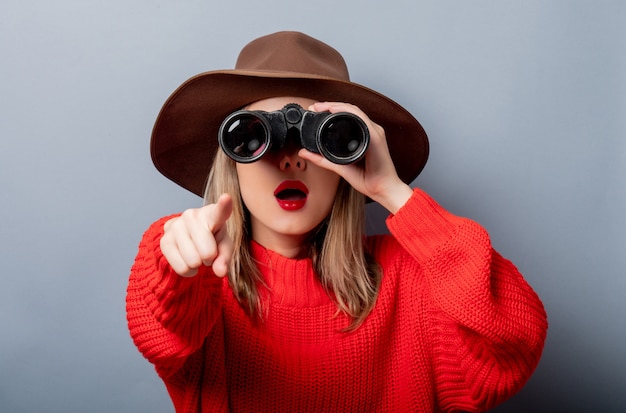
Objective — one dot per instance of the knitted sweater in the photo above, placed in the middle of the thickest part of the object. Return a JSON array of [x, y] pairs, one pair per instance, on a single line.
[[455, 327]]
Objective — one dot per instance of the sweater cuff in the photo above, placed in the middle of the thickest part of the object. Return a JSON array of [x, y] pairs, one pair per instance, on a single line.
[[171, 294], [422, 225]]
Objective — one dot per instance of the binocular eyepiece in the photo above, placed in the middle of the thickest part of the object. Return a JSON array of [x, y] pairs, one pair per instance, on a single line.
[[341, 137]]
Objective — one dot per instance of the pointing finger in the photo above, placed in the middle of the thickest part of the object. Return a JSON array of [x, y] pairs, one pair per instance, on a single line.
[[219, 214], [224, 253]]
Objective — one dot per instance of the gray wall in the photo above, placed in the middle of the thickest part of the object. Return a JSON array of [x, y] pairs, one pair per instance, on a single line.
[[524, 103]]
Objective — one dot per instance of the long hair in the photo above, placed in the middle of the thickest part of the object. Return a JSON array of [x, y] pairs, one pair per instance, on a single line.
[[345, 268]]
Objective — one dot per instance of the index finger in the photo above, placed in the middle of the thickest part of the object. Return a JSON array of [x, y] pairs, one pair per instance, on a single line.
[[337, 107], [219, 214]]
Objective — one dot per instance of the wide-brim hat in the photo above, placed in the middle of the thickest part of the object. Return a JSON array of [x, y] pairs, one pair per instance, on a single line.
[[184, 138]]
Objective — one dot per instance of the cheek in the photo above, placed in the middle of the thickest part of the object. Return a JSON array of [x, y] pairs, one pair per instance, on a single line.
[[246, 186], [327, 184], [255, 185], [249, 187], [249, 176]]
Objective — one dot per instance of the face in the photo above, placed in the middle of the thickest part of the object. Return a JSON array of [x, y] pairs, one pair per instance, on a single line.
[[287, 197]]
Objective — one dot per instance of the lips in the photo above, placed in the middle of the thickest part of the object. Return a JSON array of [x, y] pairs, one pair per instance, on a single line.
[[291, 195]]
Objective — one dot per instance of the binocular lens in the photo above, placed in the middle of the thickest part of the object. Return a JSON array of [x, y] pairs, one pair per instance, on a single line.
[[244, 137], [342, 139]]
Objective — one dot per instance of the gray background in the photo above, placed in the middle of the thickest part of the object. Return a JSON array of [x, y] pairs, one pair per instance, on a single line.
[[524, 103]]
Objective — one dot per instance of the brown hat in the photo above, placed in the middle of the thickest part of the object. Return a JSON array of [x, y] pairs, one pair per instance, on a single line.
[[184, 138]]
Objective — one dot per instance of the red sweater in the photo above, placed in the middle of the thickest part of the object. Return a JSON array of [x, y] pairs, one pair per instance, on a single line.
[[455, 327]]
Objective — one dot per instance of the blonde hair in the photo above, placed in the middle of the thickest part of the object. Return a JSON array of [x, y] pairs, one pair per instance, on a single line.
[[345, 268]]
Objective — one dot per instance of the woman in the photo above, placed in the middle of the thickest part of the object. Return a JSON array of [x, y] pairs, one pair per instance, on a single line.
[[271, 298]]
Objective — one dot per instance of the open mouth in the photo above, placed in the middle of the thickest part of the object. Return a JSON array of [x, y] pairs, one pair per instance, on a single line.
[[291, 195]]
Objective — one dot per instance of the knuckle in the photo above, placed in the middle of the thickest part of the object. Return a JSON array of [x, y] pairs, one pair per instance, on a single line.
[[208, 257], [189, 215], [180, 269], [194, 263], [166, 244], [192, 260]]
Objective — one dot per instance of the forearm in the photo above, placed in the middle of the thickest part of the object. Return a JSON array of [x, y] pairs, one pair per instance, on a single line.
[[467, 276], [489, 326], [168, 315]]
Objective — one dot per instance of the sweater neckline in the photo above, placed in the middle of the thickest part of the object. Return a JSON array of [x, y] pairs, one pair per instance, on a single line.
[[290, 282]]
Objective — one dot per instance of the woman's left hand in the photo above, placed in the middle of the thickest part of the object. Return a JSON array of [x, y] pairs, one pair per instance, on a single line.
[[376, 175]]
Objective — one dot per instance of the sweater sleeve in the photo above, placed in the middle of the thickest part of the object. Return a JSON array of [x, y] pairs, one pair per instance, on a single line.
[[168, 315], [488, 325]]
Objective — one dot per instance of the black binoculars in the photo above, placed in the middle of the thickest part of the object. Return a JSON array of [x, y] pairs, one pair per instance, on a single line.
[[341, 137]]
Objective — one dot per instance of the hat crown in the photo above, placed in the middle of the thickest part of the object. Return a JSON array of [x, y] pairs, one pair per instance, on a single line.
[[292, 52]]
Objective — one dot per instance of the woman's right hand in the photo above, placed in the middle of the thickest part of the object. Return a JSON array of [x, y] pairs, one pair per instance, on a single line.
[[199, 237]]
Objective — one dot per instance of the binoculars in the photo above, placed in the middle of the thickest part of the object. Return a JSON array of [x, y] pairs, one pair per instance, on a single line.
[[342, 138]]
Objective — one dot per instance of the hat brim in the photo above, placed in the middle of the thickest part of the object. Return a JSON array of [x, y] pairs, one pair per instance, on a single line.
[[184, 138]]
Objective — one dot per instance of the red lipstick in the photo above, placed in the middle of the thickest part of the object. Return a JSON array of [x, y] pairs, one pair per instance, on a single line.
[[291, 195]]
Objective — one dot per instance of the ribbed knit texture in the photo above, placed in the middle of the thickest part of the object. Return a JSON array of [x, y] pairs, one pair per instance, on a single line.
[[455, 327]]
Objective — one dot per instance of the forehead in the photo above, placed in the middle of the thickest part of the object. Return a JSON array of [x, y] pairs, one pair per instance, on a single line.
[[277, 103]]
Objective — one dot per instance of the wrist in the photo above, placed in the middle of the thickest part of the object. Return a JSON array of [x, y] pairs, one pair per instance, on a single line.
[[394, 197]]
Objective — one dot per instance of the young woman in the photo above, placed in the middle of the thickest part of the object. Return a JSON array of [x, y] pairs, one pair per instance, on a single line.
[[271, 298]]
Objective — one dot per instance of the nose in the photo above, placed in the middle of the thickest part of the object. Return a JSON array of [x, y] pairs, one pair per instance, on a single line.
[[290, 160], [288, 155]]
